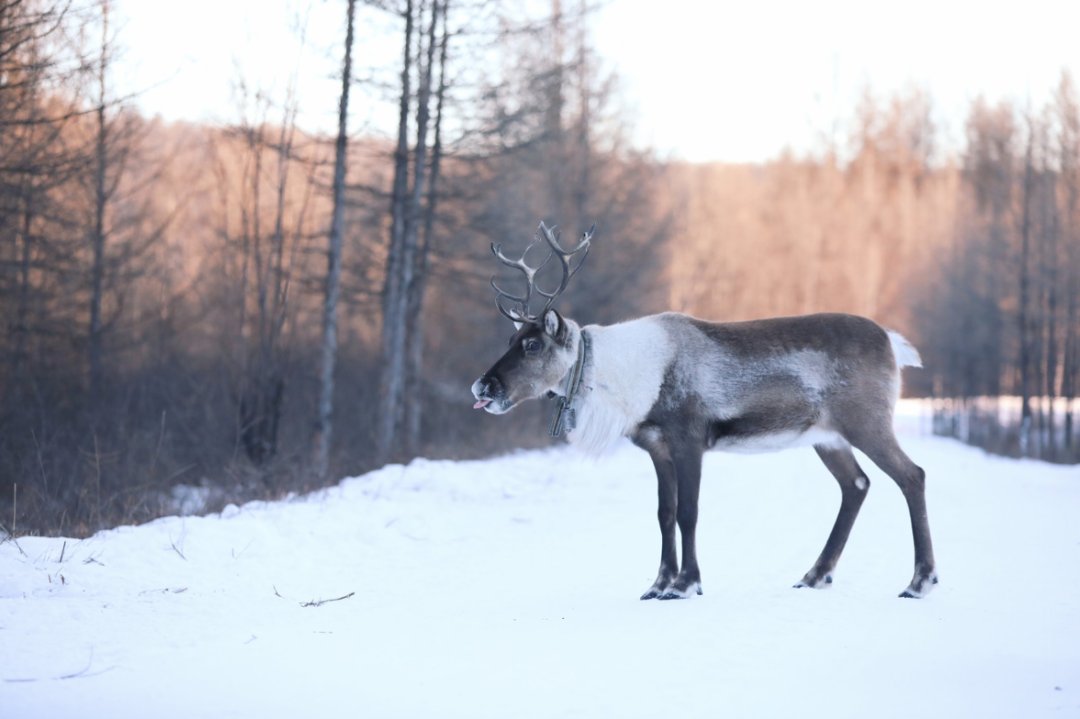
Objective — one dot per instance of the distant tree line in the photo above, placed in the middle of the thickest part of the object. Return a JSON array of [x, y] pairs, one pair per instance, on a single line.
[[243, 311], [847, 228], [1002, 311], [976, 257]]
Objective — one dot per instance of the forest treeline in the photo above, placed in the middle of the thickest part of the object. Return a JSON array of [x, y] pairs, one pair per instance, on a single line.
[[974, 255], [202, 314]]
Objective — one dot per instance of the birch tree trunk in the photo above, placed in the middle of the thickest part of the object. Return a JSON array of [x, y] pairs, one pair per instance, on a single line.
[[324, 422], [1024, 321], [1050, 278], [416, 289], [390, 418]]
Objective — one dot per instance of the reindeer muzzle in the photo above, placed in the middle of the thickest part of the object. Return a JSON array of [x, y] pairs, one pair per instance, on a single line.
[[486, 390]]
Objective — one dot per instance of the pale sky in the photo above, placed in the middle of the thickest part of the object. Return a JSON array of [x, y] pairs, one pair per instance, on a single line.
[[732, 81]]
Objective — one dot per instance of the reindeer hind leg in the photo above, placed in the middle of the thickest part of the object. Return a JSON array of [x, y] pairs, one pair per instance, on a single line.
[[882, 448], [853, 488]]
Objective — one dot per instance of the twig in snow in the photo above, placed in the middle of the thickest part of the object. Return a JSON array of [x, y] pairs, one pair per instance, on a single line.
[[177, 550], [10, 536], [320, 602], [62, 550], [178, 544], [235, 555], [82, 673], [165, 590]]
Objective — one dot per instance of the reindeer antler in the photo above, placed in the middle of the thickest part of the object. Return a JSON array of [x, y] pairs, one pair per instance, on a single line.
[[522, 313]]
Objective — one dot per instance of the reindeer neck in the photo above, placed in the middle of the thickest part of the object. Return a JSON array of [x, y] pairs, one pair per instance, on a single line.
[[621, 380], [565, 418]]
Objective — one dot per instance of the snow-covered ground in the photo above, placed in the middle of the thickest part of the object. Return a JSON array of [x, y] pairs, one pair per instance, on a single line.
[[508, 588]]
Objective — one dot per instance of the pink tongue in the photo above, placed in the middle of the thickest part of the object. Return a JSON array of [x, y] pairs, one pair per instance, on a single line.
[[481, 403]]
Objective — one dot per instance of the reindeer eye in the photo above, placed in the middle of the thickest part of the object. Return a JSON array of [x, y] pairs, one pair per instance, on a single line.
[[531, 346]]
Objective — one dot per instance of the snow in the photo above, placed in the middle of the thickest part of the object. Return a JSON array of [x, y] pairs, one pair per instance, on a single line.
[[508, 588]]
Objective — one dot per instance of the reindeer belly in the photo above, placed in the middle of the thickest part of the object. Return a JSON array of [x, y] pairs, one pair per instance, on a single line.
[[769, 432], [771, 405], [776, 441]]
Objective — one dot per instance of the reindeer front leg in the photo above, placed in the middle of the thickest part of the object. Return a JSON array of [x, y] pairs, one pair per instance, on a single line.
[[688, 475], [678, 477], [667, 494]]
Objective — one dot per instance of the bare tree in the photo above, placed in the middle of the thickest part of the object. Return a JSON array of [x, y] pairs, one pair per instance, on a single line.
[[264, 228], [37, 155], [324, 422], [406, 260], [415, 387], [97, 237], [391, 414], [1067, 108], [1023, 309]]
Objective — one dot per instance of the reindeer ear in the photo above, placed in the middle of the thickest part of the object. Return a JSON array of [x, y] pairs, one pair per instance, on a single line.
[[552, 323]]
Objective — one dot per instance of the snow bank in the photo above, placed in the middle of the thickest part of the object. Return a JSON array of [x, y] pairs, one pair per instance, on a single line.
[[508, 588]]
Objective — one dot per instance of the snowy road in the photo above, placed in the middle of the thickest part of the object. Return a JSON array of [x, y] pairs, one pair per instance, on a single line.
[[508, 588]]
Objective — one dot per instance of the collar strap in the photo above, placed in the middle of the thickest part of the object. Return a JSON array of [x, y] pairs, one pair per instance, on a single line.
[[565, 418]]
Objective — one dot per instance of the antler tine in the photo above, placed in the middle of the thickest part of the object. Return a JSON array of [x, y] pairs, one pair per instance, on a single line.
[[511, 314], [551, 235], [522, 314], [520, 264], [565, 257]]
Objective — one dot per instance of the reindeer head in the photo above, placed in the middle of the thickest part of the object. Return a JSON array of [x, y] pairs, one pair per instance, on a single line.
[[544, 348]]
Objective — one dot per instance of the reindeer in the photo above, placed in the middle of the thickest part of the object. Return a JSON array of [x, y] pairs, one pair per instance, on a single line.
[[678, 386]]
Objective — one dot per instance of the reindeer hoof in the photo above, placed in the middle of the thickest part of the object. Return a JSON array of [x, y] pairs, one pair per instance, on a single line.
[[657, 590], [814, 582], [919, 587], [662, 585], [678, 592]]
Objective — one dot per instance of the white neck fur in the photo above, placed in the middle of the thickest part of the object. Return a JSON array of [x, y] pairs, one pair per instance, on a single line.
[[622, 381]]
